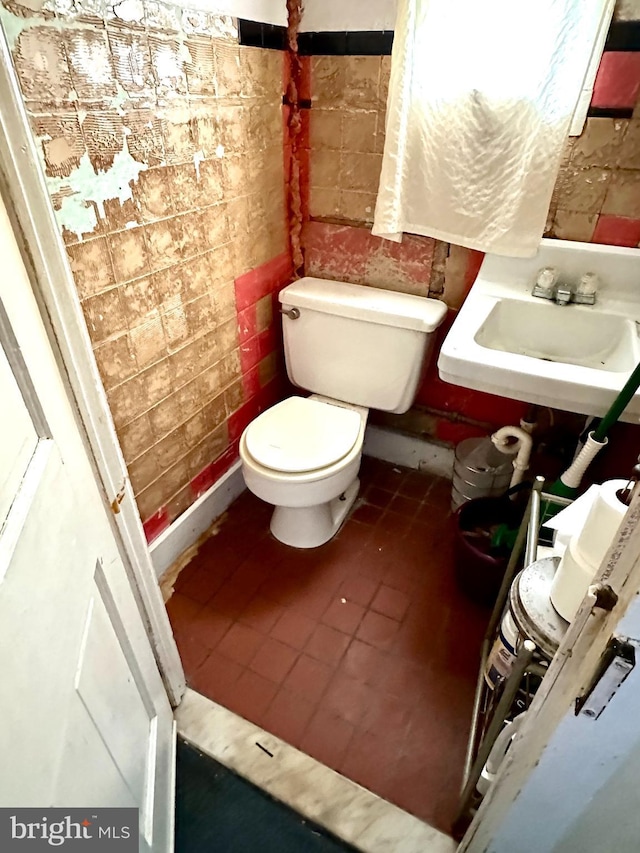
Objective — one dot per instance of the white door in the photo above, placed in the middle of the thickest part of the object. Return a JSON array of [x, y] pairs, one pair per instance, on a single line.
[[85, 719]]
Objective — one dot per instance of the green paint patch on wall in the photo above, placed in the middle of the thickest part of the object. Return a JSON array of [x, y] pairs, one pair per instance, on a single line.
[[83, 186]]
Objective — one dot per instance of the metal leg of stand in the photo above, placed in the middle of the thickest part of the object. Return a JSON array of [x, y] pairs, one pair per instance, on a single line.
[[533, 530], [510, 690], [523, 536], [496, 614]]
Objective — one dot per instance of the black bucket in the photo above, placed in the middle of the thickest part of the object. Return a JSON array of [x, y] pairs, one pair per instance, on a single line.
[[479, 564]]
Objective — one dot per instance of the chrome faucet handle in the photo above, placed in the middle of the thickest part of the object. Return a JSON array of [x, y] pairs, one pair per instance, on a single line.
[[542, 291], [587, 289], [545, 283], [564, 294]]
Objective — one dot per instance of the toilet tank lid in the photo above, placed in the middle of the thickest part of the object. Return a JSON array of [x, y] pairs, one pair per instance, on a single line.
[[362, 302]]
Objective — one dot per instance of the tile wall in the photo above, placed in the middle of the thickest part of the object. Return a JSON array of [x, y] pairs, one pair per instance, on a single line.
[[162, 143], [597, 195], [596, 198]]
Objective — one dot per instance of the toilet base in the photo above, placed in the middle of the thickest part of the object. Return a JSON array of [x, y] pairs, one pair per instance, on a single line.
[[311, 526]]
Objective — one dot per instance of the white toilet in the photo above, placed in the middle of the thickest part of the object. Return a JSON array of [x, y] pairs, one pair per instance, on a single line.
[[355, 348]]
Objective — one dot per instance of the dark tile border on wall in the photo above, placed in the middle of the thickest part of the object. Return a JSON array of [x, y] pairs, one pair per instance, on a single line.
[[610, 112], [365, 43], [256, 34], [369, 43], [623, 36]]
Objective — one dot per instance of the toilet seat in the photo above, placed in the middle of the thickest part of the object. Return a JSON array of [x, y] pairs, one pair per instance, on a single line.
[[302, 434]]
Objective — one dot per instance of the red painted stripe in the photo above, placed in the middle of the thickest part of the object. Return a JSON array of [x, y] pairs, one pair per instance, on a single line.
[[617, 82], [154, 525], [214, 470], [256, 283], [247, 323]]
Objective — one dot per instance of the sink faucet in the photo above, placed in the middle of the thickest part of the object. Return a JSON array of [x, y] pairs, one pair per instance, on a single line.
[[563, 294]]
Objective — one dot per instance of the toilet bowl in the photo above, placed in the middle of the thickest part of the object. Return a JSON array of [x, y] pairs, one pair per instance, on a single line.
[[303, 456], [354, 348]]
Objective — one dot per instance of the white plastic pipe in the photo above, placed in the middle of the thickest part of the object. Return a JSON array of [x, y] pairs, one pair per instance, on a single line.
[[521, 447], [572, 477], [498, 752]]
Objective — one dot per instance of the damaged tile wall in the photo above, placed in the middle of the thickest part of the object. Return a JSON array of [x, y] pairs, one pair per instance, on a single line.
[[346, 140], [349, 96], [597, 195], [162, 144]]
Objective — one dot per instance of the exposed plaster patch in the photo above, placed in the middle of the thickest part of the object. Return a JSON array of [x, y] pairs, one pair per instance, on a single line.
[[94, 8], [33, 5], [62, 7], [198, 157], [129, 10], [14, 26], [223, 26], [169, 62], [121, 98], [168, 16], [85, 188], [196, 20], [162, 16], [219, 152]]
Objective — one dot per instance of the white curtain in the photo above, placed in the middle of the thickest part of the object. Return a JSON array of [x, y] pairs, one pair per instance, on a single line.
[[481, 98]]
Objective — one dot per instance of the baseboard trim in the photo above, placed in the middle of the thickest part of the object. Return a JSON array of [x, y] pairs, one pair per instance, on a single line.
[[408, 451], [189, 527]]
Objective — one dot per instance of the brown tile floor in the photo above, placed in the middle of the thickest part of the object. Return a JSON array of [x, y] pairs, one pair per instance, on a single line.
[[363, 653]]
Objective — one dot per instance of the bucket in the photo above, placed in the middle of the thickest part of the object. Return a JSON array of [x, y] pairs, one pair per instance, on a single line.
[[529, 615], [479, 565], [480, 470], [503, 652]]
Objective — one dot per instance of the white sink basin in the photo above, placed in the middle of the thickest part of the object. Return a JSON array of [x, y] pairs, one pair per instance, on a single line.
[[555, 333], [572, 357]]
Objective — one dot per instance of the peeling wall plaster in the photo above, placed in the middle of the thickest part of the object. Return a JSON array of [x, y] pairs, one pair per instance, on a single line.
[[85, 185], [268, 11], [79, 197], [162, 144]]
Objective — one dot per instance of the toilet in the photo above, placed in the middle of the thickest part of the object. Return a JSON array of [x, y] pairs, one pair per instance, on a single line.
[[354, 348]]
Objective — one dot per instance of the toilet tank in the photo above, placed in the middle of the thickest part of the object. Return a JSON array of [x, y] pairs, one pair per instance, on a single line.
[[357, 344]]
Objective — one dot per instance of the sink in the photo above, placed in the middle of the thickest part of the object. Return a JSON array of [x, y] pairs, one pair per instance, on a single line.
[[554, 333], [573, 357]]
